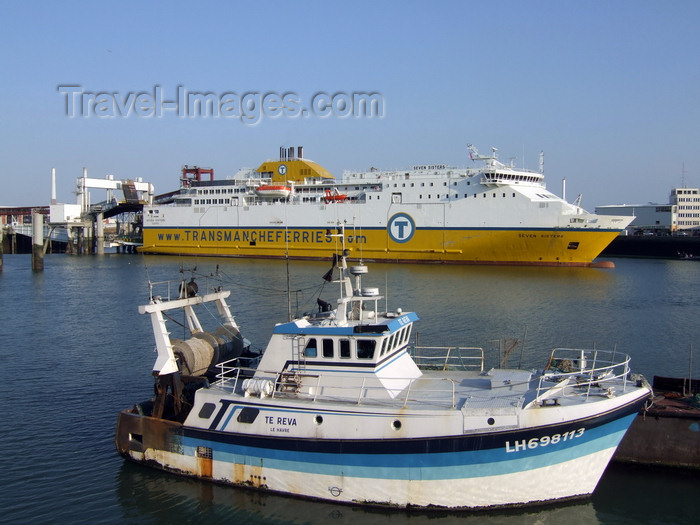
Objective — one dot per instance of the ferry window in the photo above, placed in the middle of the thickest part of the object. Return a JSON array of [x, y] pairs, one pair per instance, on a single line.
[[365, 348], [384, 345], [311, 350], [345, 349], [328, 348]]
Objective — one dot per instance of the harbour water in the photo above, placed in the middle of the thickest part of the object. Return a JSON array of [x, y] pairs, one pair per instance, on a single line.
[[75, 351]]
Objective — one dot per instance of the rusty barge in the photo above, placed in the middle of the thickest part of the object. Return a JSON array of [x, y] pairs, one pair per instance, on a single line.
[[666, 433]]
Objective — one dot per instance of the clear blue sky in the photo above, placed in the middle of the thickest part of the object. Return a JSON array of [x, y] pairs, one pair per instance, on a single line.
[[609, 90]]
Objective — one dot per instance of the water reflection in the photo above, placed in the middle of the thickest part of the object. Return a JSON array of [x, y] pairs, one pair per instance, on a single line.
[[166, 498], [626, 494]]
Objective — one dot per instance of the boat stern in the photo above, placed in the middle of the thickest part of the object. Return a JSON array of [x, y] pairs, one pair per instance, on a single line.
[[137, 434]]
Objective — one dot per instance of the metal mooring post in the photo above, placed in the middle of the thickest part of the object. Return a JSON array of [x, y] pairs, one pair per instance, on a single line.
[[37, 242]]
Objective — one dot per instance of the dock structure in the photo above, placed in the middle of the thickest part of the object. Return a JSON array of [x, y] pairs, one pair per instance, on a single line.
[[667, 432], [86, 218], [79, 227], [37, 242]]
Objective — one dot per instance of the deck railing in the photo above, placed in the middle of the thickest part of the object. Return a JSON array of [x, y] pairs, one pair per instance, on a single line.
[[573, 372], [164, 291], [448, 357], [318, 387]]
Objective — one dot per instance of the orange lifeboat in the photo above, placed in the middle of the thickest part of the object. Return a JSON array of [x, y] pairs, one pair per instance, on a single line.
[[335, 196]]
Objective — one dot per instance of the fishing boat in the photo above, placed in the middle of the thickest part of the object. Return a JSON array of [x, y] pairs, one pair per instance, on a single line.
[[343, 406], [490, 213]]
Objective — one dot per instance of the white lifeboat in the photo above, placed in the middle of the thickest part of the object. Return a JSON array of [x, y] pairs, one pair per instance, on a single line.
[[270, 191]]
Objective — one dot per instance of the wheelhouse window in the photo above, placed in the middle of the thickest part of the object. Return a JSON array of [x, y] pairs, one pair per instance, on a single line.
[[365, 348], [345, 349], [311, 349], [328, 348], [385, 343]]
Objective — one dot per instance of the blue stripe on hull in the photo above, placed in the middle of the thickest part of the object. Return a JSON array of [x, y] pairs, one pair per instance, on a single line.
[[426, 466]]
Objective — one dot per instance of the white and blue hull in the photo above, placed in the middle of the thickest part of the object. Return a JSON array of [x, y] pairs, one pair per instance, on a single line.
[[487, 470]]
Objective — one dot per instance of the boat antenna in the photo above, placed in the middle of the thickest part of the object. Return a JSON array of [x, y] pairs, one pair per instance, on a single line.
[[522, 348], [289, 292], [386, 290], [690, 372], [286, 257]]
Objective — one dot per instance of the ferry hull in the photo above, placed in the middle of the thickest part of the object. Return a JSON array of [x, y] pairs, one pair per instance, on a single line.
[[536, 246], [493, 214], [491, 470]]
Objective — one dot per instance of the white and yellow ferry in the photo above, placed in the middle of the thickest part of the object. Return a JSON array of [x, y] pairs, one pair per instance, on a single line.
[[288, 207]]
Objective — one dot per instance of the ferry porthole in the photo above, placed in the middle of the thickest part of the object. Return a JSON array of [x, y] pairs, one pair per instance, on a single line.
[[396, 424], [490, 421], [318, 420]]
